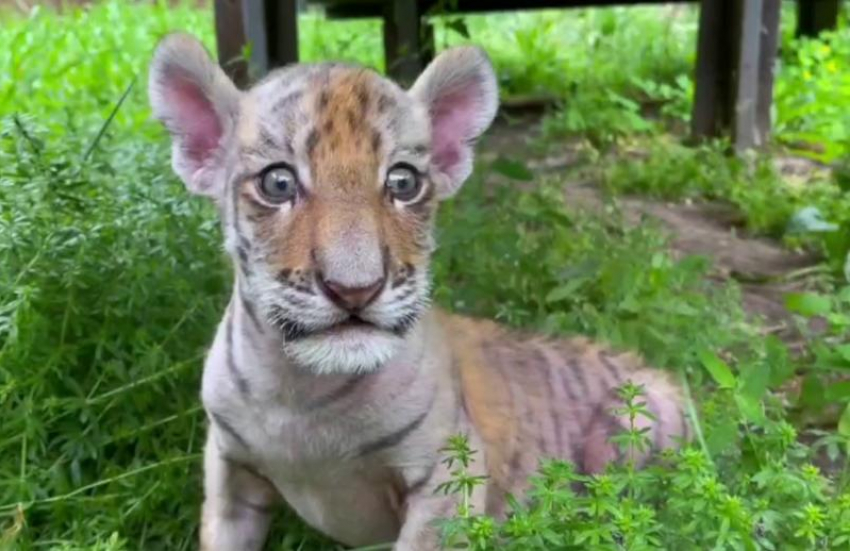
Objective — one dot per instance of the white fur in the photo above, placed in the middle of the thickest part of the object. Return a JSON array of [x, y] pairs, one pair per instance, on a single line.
[[348, 351]]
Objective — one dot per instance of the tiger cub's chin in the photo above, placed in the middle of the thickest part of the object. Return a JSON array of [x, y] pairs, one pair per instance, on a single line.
[[349, 351]]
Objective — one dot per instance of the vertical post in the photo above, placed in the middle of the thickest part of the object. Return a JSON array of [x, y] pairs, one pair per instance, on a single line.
[[767, 65], [269, 26], [734, 76], [814, 16], [402, 39], [282, 32], [745, 132], [713, 92], [230, 38], [254, 21]]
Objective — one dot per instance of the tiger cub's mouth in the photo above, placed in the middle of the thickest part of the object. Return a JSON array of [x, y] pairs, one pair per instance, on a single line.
[[352, 322]]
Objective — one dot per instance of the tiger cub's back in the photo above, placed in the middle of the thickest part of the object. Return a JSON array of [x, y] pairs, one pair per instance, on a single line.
[[531, 398]]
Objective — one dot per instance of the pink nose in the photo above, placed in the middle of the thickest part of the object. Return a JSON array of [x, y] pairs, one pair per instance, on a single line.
[[351, 298]]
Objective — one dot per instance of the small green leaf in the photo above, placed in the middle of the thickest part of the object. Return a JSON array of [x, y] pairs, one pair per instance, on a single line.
[[755, 379], [722, 435], [781, 369], [844, 423], [718, 369], [838, 391], [812, 392], [510, 168], [843, 351], [247, 50], [752, 409], [565, 291], [808, 304], [846, 268], [459, 26]]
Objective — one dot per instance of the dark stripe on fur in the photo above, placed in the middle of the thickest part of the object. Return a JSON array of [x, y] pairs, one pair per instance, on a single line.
[[267, 141], [568, 382], [420, 482], [385, 102], [249, 309], [404, 324], [237, 464], [497, 361], [575, 368], [397, 437], [337, 394], [286, 101], [657, 422], [238, 378], [552, 410], [291, 329], [242, 254], [226, 427], [256, 507], [234, 205], [312, 141], [608, 362]]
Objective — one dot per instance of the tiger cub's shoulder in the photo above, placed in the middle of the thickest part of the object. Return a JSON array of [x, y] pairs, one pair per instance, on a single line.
[[478, 343]]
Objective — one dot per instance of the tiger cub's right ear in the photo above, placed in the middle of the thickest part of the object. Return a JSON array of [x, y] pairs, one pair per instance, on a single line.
[[198, 104]]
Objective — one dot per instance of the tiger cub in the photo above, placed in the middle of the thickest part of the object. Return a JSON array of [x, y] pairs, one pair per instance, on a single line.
[[331, 383]]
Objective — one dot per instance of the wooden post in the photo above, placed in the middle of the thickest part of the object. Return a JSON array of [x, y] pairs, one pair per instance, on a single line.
[[713, 93], [814, 16], [403, 34], [767, 65], [269, 26], [254, 20], [734, 76], [282, 32], [745, 133], [230, 38]]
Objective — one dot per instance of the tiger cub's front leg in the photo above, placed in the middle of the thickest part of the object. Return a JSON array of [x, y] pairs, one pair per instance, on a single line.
[[237, 504], [426, 503]]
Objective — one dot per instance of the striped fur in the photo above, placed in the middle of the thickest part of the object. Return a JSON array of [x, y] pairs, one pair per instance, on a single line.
[[341, 410]]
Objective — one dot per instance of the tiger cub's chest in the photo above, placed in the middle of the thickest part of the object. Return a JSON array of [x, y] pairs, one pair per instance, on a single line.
[[284, 444], [316, 462]]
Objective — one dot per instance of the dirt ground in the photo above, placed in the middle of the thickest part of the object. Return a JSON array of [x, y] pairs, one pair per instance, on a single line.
[[764, 269]]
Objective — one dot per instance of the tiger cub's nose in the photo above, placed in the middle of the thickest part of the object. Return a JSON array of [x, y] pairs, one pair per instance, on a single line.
[[348, 298]]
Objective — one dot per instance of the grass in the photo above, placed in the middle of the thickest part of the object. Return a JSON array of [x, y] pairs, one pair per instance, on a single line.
[[112, 280]]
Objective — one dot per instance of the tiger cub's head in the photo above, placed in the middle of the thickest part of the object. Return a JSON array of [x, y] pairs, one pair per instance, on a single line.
[[327, 177]]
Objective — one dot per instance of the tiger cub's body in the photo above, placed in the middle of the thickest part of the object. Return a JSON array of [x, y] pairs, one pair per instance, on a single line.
[[331, 384], [327, 445]]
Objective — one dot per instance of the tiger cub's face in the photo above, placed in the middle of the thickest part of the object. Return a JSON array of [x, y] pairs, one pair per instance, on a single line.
[[327, 178]]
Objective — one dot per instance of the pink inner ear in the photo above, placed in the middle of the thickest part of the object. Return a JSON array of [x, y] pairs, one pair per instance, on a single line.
[[453, 121], [193, 117]]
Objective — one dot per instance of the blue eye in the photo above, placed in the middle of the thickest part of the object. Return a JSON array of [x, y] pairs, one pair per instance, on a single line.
[[278, 185], [403, 183]]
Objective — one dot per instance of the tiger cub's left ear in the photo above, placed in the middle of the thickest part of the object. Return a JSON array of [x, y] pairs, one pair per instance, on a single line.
[[461, 95]]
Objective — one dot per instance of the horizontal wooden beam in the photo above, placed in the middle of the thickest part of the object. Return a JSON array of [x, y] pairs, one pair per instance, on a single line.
[[353, 9]]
